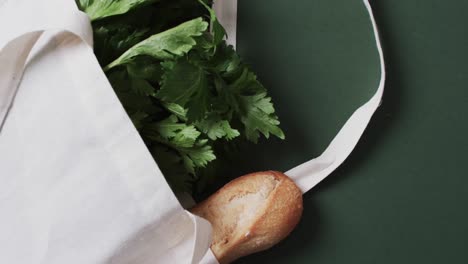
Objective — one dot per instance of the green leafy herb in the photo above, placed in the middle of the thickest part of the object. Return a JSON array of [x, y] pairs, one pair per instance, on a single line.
[[183, 87], [191, 91], [218, 30], [97, 9], [166, 45]]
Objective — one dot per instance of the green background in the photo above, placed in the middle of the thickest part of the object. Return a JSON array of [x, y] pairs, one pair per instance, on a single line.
[[402, 195]]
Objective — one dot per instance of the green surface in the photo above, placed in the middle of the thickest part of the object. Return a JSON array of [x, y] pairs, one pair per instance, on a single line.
[[402, 195]]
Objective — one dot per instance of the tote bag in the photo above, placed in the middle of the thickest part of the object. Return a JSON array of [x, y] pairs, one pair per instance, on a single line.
[[77, 184]]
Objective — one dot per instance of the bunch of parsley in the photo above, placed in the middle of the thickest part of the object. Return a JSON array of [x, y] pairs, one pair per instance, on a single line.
[[183, 87]]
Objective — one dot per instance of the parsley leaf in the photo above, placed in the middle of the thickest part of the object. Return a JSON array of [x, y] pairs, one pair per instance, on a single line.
[[169, 44], [112, 40], [97, 9], [259, 117], [184, 139], [215, 128], [192, 90]]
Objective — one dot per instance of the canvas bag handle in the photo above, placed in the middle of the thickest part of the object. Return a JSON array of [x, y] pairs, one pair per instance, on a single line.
[[309, 174]]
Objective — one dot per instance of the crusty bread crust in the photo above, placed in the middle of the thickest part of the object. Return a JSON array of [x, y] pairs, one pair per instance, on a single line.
[[251, 213]]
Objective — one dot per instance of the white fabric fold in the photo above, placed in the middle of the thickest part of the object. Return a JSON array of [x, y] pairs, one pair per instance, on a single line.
[[78, 184]]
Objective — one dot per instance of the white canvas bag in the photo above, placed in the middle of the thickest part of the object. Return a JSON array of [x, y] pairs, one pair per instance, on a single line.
[[77, 184]]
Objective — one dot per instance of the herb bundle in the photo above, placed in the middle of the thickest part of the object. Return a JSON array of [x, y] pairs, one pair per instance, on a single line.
[[183, 87]]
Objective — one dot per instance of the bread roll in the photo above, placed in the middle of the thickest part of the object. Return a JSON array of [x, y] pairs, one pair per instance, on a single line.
[[251, 213]]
